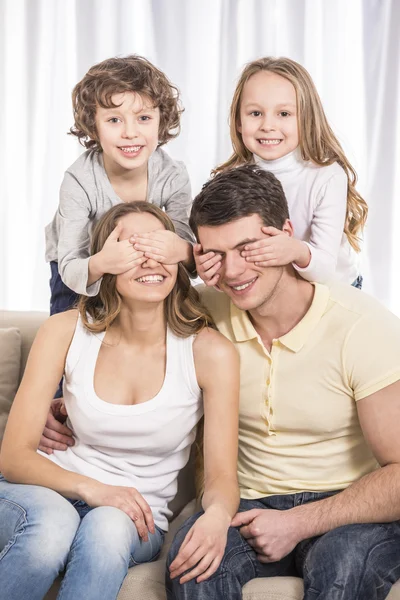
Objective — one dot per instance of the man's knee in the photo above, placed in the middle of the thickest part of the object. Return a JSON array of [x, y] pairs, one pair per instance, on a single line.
[[353, 556], [180, 536]]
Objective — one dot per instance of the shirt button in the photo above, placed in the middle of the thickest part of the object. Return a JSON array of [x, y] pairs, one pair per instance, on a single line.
[[268, 381]]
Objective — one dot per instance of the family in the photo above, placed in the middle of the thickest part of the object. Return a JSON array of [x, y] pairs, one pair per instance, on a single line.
[[287, 373]]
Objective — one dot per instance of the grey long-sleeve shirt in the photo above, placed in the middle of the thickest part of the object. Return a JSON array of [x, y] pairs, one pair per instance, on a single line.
[[86, 194]]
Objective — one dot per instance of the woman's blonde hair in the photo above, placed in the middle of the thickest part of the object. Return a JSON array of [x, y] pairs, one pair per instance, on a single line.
[[184, 313], [317, 141]]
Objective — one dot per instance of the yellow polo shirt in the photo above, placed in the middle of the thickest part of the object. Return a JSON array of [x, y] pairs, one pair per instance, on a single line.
[[299, 429]]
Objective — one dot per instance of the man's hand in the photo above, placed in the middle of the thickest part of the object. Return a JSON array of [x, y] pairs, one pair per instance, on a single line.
[[272, 533], [277, 250], [207, 265], [164, 246], [56, 435], [203, 547]]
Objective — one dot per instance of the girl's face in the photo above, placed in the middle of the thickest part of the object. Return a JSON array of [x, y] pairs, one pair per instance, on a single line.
[[268, 119], [128, 134], [151, 281]]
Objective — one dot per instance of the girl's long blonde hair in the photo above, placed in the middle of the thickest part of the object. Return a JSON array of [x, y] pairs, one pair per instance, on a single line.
[[317, 141], [184, 313]]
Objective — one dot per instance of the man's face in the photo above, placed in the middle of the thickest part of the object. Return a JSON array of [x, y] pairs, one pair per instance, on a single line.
[[248, 286]]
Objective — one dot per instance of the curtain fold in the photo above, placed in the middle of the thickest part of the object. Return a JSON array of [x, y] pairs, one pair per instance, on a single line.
[[352, 50]]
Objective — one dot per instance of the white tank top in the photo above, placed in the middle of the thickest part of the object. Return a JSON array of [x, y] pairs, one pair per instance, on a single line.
[[143, 445]]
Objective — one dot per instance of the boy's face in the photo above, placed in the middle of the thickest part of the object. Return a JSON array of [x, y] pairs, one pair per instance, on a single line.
[[128, 134]]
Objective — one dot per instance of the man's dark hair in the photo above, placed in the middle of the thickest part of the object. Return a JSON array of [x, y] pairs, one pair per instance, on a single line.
[[237, 193]]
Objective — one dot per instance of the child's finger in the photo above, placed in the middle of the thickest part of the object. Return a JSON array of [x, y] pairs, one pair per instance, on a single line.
[[161, 258], [213, 281], [212, 271], [259, 244], [204, 258], [114, 235], [156, 234], [209, 264], [258, 250], [271, 231], [147, 247], [272, 262], [259, 257]]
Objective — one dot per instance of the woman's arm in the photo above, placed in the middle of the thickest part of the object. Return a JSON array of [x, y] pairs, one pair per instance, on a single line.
[[217, 368], [19, 460]]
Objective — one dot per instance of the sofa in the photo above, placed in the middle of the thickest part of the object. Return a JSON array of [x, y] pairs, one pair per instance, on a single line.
[[143, 582]]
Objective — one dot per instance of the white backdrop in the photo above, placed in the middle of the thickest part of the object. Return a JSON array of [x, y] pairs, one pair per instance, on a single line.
[[350, 47]]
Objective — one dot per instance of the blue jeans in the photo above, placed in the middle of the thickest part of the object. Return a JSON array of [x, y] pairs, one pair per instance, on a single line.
[[355, 562], [42, 533], [357, 283], [61, 299]]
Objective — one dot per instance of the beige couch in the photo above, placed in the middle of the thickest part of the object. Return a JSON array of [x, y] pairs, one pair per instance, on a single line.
[[144, 582]]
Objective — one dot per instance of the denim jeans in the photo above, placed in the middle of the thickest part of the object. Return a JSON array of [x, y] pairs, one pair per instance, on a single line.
[[42, 533], [354, 562], [61, 299]]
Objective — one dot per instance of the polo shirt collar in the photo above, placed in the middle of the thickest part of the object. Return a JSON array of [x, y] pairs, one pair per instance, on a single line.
[[295, 339]]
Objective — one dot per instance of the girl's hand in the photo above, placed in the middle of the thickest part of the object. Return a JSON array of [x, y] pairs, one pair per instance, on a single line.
[[127, 499], [278, 250], [116, 256], [203, 547], [162, 245], [207, 265]]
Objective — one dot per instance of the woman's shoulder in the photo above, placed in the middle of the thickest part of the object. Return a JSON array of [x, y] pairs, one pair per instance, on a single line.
[[211, 346], [62, 324]]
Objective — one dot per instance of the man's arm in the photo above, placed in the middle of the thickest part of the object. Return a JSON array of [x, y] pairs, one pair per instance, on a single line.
[[375, 498]]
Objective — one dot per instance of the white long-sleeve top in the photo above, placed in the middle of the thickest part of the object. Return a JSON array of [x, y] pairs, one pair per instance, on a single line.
[[317, 199]]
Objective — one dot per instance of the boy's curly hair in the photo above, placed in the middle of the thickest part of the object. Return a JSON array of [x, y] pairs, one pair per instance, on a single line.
[[124, 74]]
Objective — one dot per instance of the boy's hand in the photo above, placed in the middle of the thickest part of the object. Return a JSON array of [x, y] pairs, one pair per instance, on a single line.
[[277, 250], [116, 257], [162, 245], [207, 265]]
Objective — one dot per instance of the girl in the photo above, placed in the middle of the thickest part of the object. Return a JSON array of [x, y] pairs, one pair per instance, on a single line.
[[277, 121], [125, 109], [139, 362]]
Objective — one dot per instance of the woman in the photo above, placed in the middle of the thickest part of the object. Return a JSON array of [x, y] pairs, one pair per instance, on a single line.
[[139, 361]]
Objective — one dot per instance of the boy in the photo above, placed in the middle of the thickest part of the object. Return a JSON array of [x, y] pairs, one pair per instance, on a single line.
[[125, 109]]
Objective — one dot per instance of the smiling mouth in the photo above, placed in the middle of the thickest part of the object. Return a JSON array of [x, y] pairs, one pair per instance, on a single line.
[[151, 279], [130, 149], [265, 142], [243, 286]]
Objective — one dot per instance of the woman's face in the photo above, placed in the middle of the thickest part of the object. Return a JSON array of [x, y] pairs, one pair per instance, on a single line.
[[151, 281]]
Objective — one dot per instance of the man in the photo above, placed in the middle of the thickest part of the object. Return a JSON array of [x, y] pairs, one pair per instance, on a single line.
[[319, 452]]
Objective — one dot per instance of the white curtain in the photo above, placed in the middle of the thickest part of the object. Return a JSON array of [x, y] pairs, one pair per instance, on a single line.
[[351, 48]]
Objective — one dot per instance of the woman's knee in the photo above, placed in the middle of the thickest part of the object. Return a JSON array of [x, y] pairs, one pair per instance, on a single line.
[[41, 523], [109, 532]]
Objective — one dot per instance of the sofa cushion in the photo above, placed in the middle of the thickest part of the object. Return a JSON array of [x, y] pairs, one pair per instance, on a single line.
[[10, 362]]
